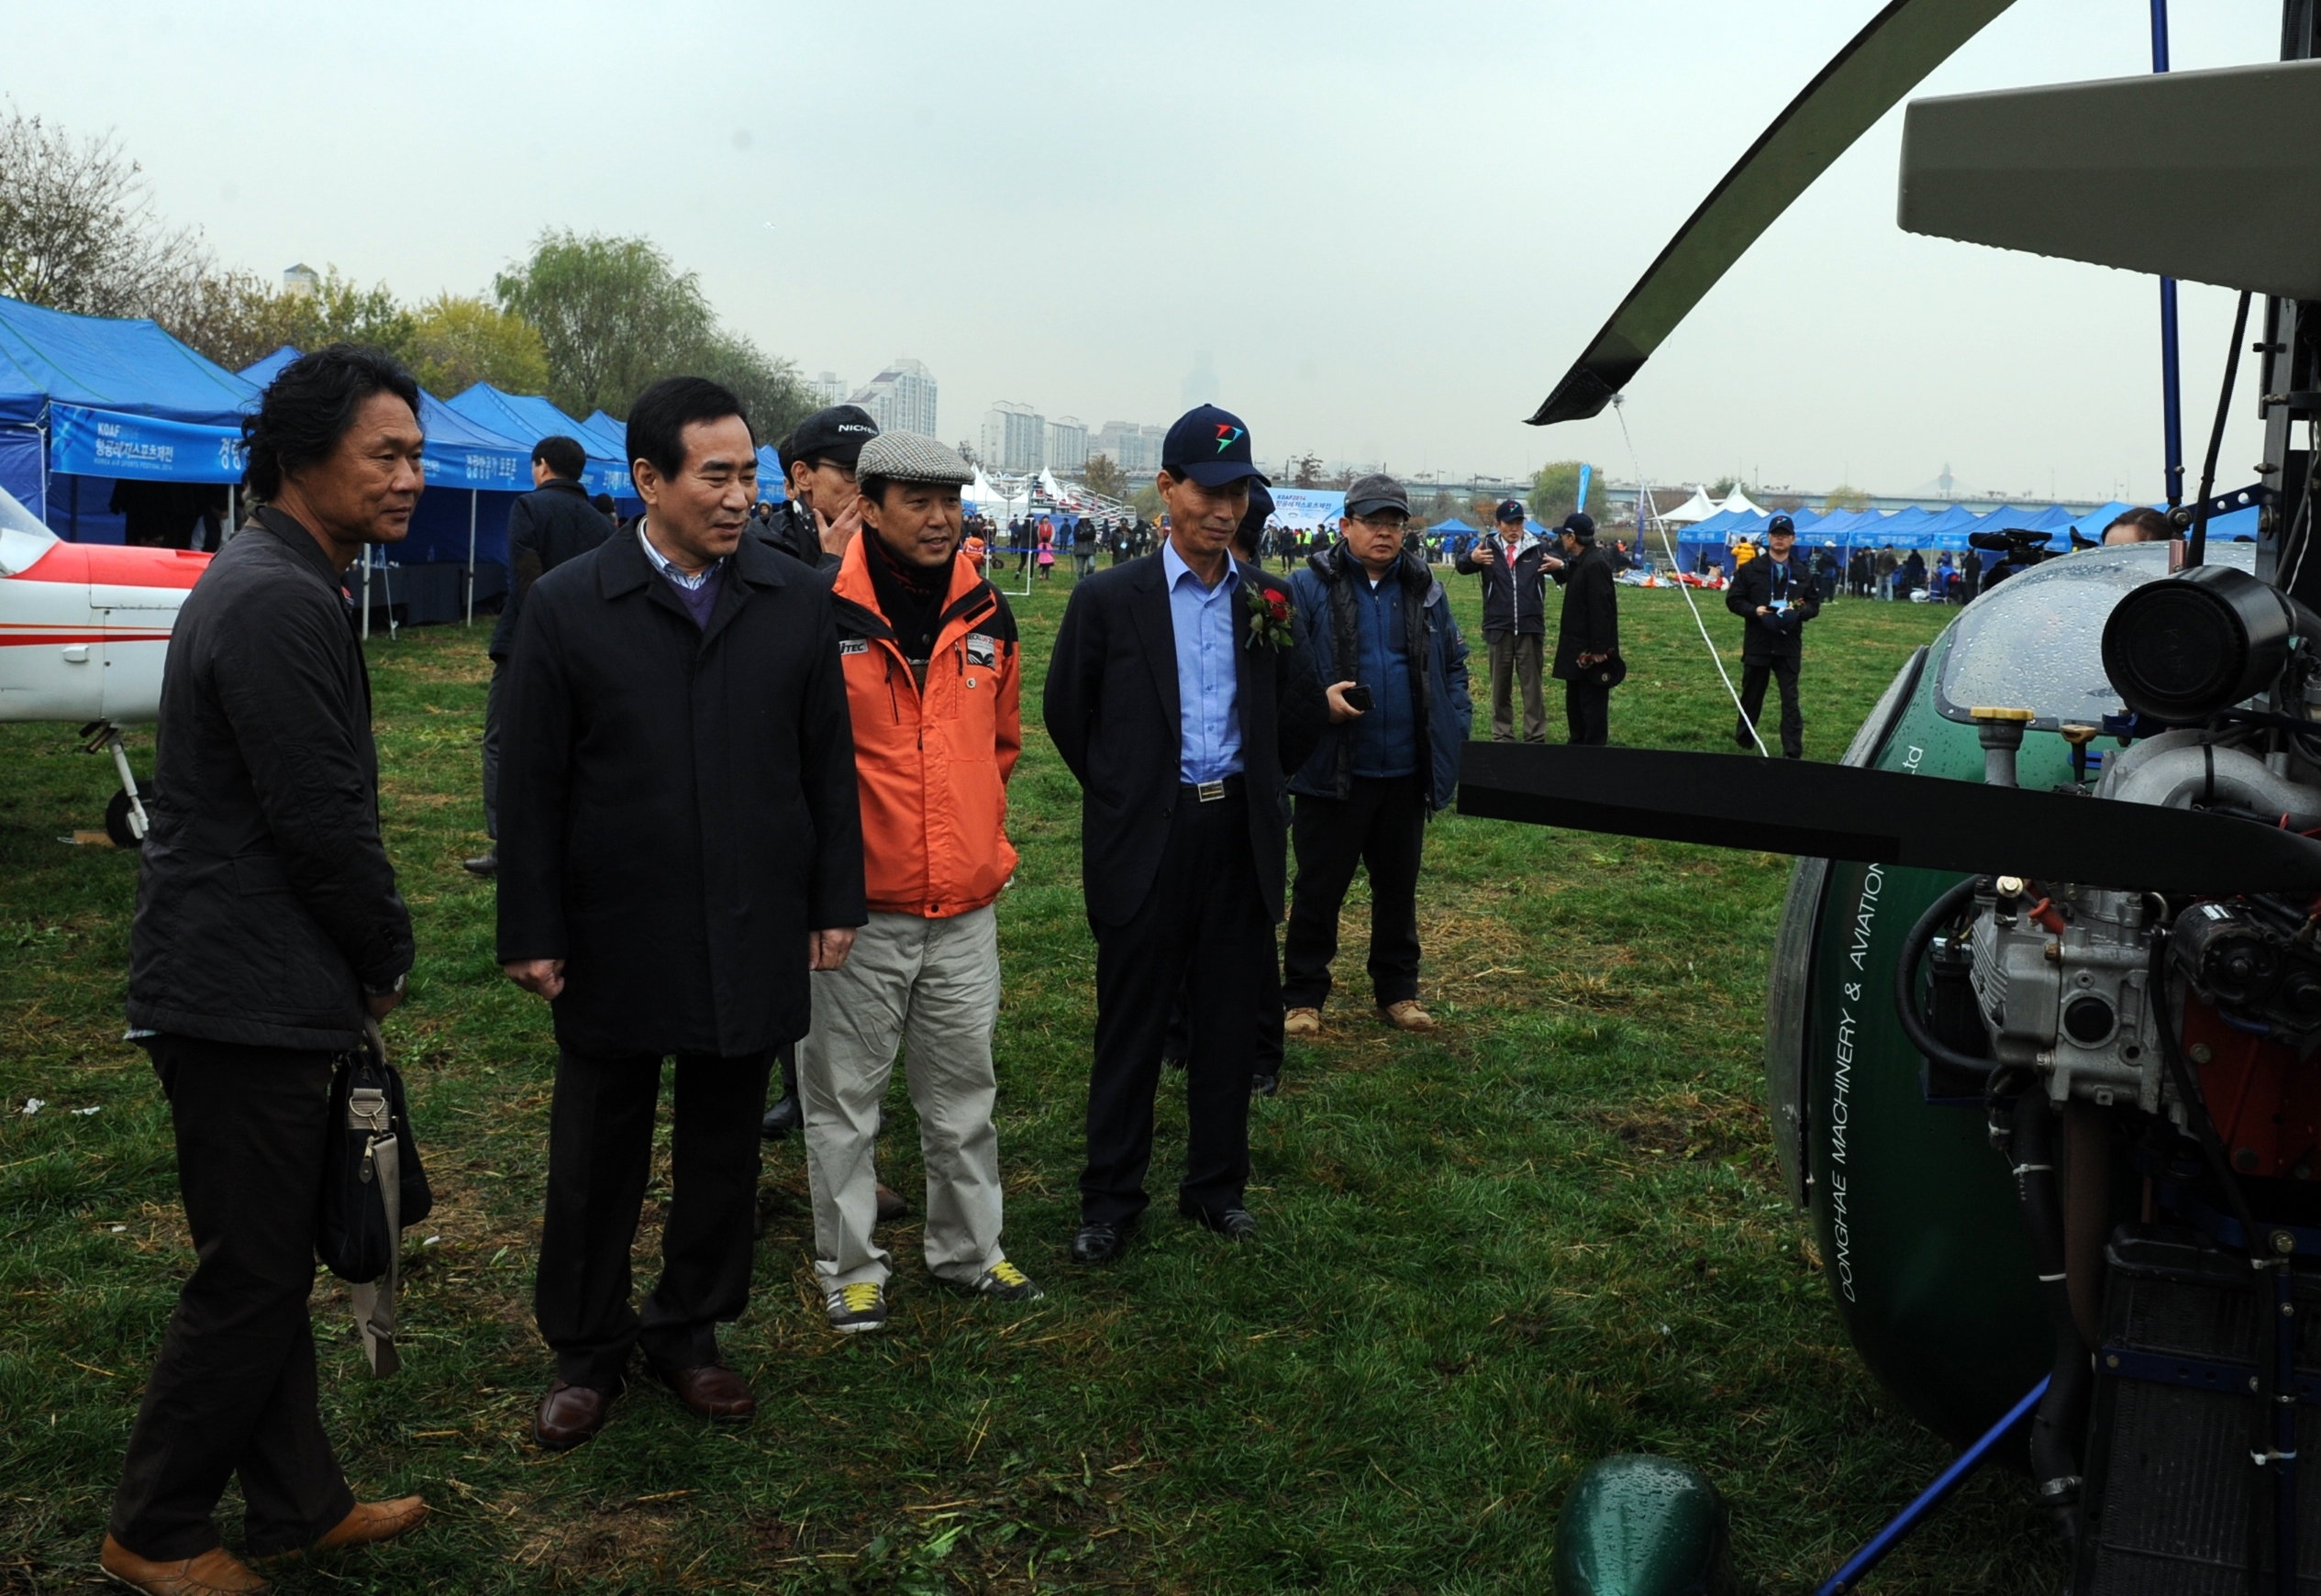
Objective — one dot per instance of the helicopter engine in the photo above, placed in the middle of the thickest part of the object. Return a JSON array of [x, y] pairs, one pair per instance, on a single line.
[[2179, 1030]]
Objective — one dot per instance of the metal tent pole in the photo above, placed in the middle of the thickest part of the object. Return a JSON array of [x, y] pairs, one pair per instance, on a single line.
[[476, 497], [2171, 395], [366, 591]]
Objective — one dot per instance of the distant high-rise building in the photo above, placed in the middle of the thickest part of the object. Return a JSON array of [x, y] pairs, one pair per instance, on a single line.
[[301, 279], [1135, 450], [1067, 444], [1015, 437], [1199, 386], [901, 398], [827, 389]]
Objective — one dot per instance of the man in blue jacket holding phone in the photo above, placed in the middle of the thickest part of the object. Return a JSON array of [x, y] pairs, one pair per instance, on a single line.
[[1380, 630]]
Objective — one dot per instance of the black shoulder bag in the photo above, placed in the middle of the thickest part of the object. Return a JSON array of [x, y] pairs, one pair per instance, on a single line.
[[372, 1187]]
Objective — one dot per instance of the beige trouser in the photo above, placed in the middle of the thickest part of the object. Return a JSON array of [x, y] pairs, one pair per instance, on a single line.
[[1515, 658], [931, 986]]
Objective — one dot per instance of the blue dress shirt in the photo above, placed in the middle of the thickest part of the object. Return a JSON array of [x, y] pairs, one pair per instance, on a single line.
[[1208, 685]]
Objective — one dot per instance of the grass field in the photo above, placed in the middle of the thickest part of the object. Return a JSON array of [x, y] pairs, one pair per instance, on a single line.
[[1553, 1232]]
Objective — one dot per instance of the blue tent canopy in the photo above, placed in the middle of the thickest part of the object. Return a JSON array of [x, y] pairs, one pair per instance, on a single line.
[[1452, 524], [92, 397], [131, 367], [602, 428], [260, 372], [528, 418]]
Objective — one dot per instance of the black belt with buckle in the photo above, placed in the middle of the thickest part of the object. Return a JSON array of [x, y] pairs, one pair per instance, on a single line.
[[1210, 791]]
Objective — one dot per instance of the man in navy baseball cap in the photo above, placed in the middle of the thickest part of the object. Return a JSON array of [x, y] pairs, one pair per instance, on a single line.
[[1180, 696], [1210, 446]]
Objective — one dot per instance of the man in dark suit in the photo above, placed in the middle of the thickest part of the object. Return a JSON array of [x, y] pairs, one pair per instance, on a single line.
[[1588, 634], [1179, 696], [684, 843], [1775, 597], [553, 523]]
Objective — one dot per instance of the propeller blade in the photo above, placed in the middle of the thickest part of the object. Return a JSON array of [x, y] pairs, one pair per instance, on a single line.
[[1881, 818], [1884, 62], [2178, 174]]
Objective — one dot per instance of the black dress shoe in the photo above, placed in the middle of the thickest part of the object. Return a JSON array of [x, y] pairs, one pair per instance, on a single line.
[[1264, 1085], [1233, 1224], [1099, 1243], [483, 864], [782, 1119]]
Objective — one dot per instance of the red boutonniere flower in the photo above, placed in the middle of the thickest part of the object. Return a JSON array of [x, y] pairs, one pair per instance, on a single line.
[[1270, 615]]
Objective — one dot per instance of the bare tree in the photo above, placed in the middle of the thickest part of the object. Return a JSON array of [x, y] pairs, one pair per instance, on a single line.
[[78, 227]]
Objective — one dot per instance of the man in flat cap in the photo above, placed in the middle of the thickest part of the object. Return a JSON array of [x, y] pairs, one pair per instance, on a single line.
[[813, 525], [1180, 698], [820, 517], [932, 669]]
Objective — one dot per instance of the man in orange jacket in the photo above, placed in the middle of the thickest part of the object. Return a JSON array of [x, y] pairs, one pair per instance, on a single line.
[[929, 653]]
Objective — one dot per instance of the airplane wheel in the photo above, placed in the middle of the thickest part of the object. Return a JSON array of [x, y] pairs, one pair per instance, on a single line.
[[117, 816]]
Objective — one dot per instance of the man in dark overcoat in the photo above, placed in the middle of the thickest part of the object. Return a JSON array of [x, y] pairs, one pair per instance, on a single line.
[[1588, 632], [684, 843], [268, 931], [553, 523], [1177, 694]]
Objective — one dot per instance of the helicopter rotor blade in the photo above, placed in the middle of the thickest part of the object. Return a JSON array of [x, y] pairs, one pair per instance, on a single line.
[[1868, 78], [1881, 818]]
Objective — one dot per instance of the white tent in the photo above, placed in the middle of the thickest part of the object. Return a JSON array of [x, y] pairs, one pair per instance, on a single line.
[[1738, 501], [1699, 507]]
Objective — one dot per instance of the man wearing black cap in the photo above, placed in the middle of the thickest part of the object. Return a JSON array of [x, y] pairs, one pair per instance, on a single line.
[[1774, 595], [1513, 565], [1379, 628], [823, 512], [1179, 696], [821, 516], [546, 527], [1587, 640]]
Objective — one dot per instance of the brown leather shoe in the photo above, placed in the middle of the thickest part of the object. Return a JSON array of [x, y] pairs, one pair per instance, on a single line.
[[892, 1204], [570, 1415], [216, 1572], [712, 1390], [375, 1521]]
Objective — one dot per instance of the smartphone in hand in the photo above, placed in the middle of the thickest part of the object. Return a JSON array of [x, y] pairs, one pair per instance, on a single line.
[[1358, 698]]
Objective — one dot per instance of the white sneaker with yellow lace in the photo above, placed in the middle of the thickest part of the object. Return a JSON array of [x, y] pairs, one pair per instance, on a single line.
[[860, 1306]]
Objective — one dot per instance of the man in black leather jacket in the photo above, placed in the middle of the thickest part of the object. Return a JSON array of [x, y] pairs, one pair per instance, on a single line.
[[268, 931]]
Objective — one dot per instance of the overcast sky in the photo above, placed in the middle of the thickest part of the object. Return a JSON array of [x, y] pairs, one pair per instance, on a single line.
[[1387, 229]]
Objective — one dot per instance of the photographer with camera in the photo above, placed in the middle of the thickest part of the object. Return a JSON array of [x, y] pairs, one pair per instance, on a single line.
[[1774, 595]]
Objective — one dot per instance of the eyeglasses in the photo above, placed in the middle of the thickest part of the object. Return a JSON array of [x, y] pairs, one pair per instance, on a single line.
[[1384, 523]]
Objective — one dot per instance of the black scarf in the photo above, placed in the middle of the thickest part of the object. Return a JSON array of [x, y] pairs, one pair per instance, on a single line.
[[910, 596]]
